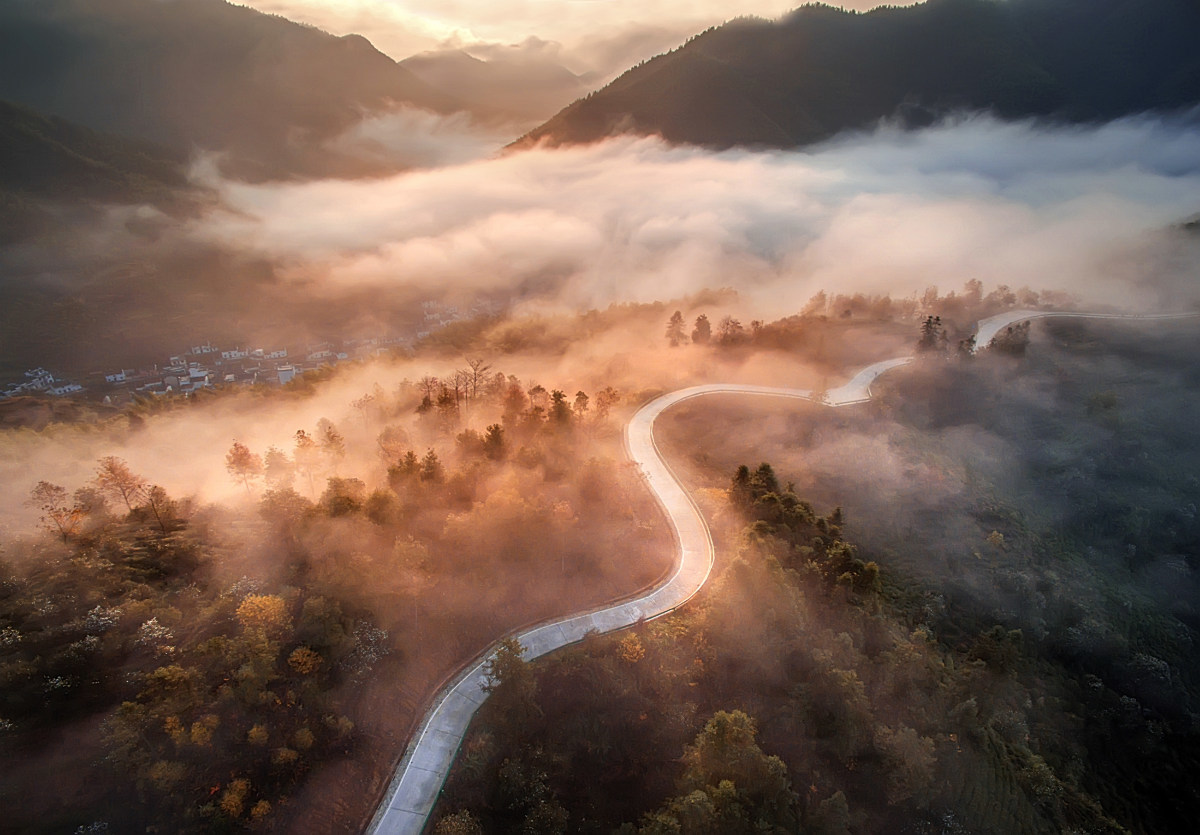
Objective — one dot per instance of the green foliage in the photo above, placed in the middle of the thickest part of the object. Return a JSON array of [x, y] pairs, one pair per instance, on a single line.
[[876, 718]]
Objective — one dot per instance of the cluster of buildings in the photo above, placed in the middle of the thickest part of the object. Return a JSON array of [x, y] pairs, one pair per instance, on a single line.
[[40, 381], [207, 366], [201, 367]]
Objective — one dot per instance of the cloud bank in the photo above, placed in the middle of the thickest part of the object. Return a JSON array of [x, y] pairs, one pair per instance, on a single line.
[[1086, 210]]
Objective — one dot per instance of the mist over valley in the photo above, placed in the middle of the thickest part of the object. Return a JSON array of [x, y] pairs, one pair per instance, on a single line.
[[320, 358]]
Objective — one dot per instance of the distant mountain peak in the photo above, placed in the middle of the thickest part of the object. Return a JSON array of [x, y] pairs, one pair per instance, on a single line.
[[267, 92], [821, 70]]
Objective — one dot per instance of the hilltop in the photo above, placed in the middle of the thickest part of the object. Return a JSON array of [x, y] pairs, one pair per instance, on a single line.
[[268, 93], [821, 70]]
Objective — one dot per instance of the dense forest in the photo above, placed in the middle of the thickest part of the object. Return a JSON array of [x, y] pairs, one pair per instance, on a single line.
[[175, 664], [201, 664], [992, 636]]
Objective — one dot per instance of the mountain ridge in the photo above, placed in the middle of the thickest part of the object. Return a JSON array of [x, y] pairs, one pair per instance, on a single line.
[[821, 70], [268, 93]]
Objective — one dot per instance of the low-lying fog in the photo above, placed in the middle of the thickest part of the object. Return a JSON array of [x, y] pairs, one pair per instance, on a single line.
[[1082, 209], [1090, 211]]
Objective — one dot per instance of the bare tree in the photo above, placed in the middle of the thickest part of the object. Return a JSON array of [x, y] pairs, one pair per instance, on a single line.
[[242, 464], [461, 382], [117, 481], [363, 404], [428, 386], [333, 443], [161, 507], [307, 457], [478, 371], [59, 515]]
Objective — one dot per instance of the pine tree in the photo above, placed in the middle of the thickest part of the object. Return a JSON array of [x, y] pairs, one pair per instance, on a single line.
[[675, 332]]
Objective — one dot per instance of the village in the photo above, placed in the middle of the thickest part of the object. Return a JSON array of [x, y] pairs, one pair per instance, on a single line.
[[209, 366]]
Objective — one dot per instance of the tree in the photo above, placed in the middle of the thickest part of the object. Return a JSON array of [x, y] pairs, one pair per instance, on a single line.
[[506, 665], [90, 501], [343, 496], [392, 441], [581, 404], [702, 333], [817, 305], [429, 386], [1013, 341], [333, 444], [242, 464], [511, 683], [606, 398], [831, 817], [741, 492], [933, 335], [460, 823], [560, 410], [447, 408], [910, 761], [59, 515], [493, 442], [478, 370], [307, 457], [727, 750], [161, 507], [407, 468], [265, 613], [277, 469], [363, 404], [461, 380], [730, 331], [675, 332], [515, 404], [470, 442], [117, 481], [432, 469]]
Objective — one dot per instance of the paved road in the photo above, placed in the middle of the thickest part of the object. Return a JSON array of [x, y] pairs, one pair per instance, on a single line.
[[426, 764], [987, 329]]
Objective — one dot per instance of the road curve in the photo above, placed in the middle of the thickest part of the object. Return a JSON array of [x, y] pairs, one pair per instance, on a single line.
[[423, 770], [987, 329]]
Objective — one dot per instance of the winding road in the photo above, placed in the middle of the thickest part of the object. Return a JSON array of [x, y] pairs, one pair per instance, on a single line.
[[423, 770]]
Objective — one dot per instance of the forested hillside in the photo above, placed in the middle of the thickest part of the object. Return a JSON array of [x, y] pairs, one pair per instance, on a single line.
[[990, 637], [822, 70], [203, 74]]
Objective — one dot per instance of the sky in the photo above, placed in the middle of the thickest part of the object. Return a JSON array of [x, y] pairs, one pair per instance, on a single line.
[[606, 36]]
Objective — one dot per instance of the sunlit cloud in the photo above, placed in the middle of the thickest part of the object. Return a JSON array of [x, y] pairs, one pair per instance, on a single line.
[[635, 219], [405, 27]]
